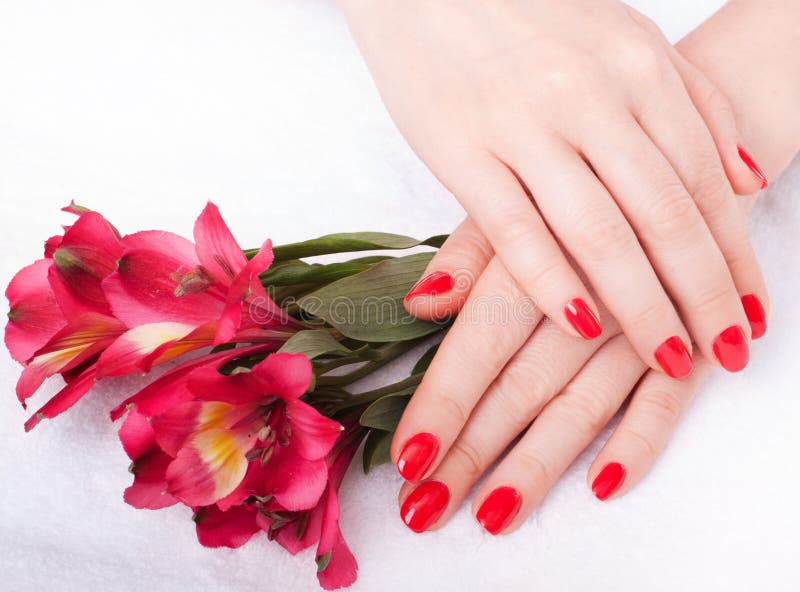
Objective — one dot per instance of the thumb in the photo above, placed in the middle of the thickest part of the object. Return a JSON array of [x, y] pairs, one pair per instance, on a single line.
[[450, 275]]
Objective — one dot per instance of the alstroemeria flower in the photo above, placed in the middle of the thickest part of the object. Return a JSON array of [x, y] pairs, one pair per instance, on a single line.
[[294, 530], [240, 434], [178, 296]]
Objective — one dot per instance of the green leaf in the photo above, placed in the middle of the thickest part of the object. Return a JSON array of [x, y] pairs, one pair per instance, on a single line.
[[347, 242], [368, 306], [299, 272], [313, 343], [385, 413], [376, 449], [422, 364]]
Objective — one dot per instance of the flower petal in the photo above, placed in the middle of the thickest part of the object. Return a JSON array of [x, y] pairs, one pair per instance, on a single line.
[[209, 467], [129, 351], [137, 435], [173, 427], [313, 434], [64, 399], [296, 483], [34, 316], [149, 487], [218, 251], [284, 375], [233, 528]]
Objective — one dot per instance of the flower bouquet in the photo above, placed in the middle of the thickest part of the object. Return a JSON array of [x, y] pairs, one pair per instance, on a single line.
[[254, 430]]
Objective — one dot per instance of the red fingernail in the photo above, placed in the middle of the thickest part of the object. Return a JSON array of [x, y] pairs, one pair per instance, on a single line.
[[438, 282], [499, 508], [751, 164], [755, 314], [731, 349], [674, 357], [417, 455], [424, 505], [582, 318], [608, 481]]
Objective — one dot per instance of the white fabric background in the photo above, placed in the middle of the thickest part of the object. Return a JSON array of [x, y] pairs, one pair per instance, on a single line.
[[146, 109]]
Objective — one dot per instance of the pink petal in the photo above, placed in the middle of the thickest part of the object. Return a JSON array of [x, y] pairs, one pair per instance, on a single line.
[[157, 280], [174, 426], [237, 389], [313, 434], [87, 254], [149, 488], [284, 375], [172, 387], [218, 251], [296, 483], [136, 435], [64, 399], [128, 353], [209, 468], [34, 316], [287, 536], [233, 528]]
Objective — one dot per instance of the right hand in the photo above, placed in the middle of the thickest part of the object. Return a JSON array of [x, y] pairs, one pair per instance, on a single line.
[[576, 124]]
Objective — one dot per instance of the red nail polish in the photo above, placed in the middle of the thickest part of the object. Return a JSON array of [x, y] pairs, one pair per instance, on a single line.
[[417, 455], [674, 357], [608, 481], [582, 318], [755, 314], [731, 349], [424, 505], [498, 509], [438, 282], [751, 164]]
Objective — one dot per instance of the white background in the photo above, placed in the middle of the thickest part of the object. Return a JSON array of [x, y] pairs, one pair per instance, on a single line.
[[146, 109]]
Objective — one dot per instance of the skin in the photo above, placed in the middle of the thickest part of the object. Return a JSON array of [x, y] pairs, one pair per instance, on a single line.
[[530, 369], [577, 139]]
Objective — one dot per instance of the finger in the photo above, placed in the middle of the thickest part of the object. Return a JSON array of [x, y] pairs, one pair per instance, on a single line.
[[536, 373], [656, 406], [676, 238], [592, 228], [497, 203], [745, 176], [673, 123], [450, 275], [496, 320], [563, 429]]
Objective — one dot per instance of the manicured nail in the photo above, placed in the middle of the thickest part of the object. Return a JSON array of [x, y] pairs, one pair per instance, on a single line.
[[674, 357], [424, 505], [582, 318], [755, 314], [731, 349], [751, 164], [499, 508], [608, 481], [438, 282], [417, 455]]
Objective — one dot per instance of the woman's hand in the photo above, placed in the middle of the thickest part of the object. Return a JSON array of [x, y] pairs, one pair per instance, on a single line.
[[576, 122], [487, 383]]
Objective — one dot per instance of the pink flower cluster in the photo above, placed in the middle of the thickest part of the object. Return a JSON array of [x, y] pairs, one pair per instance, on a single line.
[[241, 449]]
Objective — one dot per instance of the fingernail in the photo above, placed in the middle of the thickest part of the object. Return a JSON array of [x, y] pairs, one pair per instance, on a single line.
[[417, 455], [751, 164], [424, 505], [438, 282], [731, 349], [582, 318], [498, 509], [674, 358], [608, 481], [755, 314]]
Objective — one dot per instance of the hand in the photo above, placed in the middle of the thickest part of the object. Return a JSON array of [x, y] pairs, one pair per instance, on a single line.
[[501, 377], [626, 149]]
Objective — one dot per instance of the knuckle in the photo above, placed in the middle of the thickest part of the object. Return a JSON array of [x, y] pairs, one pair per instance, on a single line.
[[545, 273], [645, 443], [711, 191], [453, 410], [652, 315], [712, 298], [716, 100], [673, 214], [643, 58], [664, 404], [520, 392], [586, 409], [469, 459], [601, 235], [533, 466]]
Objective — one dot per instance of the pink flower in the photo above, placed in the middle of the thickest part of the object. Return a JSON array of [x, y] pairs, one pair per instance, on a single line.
[[295, 530], [229, 437]]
